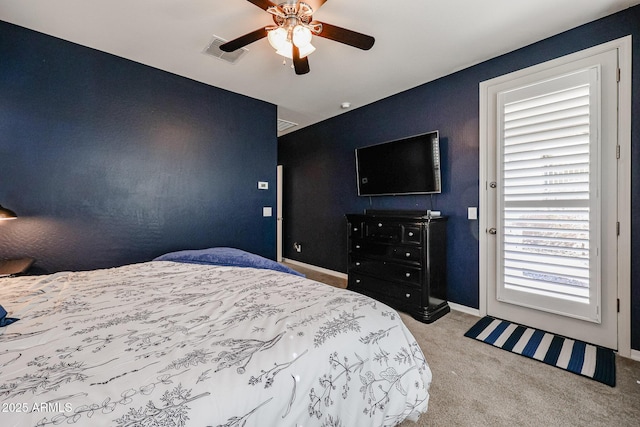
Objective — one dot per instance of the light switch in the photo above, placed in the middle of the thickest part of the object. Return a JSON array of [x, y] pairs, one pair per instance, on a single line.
[[263, 185], [267, 211], [472, 213]]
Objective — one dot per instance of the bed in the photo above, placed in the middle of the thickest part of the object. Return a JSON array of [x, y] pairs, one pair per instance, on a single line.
[[218, 337]]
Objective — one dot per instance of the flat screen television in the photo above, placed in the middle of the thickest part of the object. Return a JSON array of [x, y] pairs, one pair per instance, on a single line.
[[404, 166]]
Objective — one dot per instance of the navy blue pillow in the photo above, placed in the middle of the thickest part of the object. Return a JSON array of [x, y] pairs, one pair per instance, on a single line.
[[227, 257], [4, 320]]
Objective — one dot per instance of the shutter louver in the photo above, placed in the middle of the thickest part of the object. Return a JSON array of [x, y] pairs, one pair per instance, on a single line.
[[546, 191]]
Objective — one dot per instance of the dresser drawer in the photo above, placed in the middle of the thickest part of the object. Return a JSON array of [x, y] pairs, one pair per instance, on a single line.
[[383, 231], [386, 270], [369, 248], [393, 293], [406, 253], [356, 230], [411, 234]]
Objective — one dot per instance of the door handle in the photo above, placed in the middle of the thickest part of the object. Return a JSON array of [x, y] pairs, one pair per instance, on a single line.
[[492, 230]]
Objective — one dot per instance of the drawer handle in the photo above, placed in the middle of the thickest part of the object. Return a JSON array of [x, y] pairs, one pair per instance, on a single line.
[[407, 295], [411, 234], [408, 274], [408, 254], [379, 224], [357, 280], [357, 246], [355, 229], [357, 263]]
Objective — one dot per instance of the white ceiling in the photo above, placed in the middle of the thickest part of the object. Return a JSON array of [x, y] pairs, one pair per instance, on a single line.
[[416, 42]]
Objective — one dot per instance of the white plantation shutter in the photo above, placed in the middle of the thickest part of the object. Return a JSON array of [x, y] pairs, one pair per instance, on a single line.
[[549, 230]]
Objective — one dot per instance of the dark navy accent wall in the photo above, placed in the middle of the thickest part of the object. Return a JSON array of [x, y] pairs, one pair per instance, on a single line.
[[108, 162], [319, 163]]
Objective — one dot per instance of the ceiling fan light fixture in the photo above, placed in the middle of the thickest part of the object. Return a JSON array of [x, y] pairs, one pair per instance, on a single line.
[[278, 38], [293, 31], [287, 51], [301, 36], [283, 39], [306, 50]]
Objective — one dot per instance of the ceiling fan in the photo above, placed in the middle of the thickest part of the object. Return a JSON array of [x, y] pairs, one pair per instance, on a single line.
[[293, 30]]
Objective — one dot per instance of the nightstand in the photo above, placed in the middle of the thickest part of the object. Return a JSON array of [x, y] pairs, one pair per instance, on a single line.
[[13, 267]]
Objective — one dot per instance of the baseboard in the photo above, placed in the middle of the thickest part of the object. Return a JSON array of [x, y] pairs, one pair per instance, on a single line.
[[316, 268], [464, 309], [635, 355]]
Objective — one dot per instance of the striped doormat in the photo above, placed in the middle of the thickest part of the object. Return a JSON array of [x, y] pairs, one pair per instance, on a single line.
[[597, 363]]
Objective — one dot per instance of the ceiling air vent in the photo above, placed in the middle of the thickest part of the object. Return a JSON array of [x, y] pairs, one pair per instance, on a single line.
[[284, 125], [214, 50]]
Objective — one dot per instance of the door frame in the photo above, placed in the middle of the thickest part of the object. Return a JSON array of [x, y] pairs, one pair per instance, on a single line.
[[624, 47], [279, 212]]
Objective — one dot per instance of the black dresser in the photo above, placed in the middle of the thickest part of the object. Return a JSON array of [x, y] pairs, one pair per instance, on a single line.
[[400, 258]]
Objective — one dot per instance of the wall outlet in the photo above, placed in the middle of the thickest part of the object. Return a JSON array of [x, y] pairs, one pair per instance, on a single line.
[[263, 185], [267, 211]]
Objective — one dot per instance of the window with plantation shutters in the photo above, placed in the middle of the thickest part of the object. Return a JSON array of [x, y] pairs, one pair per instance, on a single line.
[[548, 218]]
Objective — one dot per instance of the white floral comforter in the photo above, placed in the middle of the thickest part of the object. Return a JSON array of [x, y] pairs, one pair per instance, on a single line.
[[170, 344]]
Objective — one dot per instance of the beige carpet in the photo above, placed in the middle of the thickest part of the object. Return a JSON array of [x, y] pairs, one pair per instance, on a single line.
[[475, 384]]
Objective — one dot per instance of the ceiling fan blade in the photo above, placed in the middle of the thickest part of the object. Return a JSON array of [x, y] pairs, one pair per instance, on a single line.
[[342, 35], [315, 4], [262, 4], [301, 65], [242, 41]]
